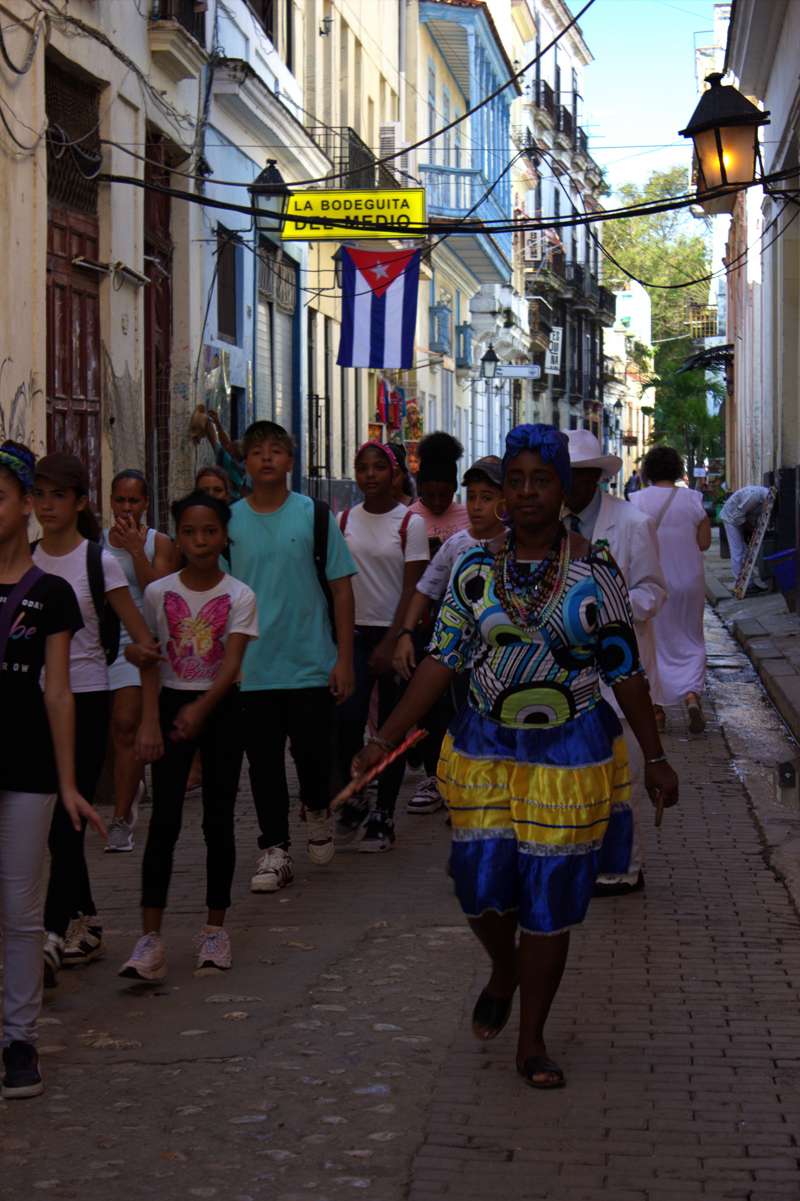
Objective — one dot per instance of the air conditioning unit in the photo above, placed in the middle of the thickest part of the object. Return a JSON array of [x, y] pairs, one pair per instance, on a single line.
[[533, 246], [391, 140]]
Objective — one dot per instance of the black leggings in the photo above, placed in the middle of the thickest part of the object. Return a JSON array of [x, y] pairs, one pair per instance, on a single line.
[[69, 892], [221, 747]]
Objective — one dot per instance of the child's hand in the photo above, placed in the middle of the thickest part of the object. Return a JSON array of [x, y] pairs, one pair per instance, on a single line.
[[188, 722], [149, 743], [341, 681], [79, 810], [404, 660], [144, 654]]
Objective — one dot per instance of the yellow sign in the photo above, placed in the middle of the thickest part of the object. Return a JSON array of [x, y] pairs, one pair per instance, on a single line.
[[313, 216]]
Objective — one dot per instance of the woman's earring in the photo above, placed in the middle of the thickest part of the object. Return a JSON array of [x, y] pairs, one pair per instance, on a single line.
[[500, 516]]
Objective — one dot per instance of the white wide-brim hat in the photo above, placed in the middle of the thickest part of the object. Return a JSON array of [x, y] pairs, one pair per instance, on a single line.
[[586, 451]]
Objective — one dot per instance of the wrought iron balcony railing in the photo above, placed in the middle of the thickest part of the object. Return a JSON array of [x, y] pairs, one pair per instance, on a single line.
[[351, 157]]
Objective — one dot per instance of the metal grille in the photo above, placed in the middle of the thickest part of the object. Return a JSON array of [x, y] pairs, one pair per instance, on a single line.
[[73, 141], [351, 157]]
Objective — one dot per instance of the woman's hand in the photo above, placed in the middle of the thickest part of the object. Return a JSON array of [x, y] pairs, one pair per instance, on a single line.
[[404, 660], [661, 783], [143, 654], [380, 661], [130, 536], [149, 743], [80, 810], [367, 758], [189, 722]]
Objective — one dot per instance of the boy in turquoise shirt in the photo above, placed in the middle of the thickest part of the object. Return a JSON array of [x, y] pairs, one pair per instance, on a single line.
[[295, 672]]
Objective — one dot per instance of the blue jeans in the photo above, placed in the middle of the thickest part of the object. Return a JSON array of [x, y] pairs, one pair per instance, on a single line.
[[351, 717]]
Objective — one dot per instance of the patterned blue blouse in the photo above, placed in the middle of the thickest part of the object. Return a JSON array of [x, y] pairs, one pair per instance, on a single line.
[[543, 677]]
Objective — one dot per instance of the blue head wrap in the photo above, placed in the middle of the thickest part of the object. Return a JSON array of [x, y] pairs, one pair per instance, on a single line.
[[544, 440], [20, 462]]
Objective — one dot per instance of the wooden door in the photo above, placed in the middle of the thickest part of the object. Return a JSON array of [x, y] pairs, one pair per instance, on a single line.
[[73, 341]]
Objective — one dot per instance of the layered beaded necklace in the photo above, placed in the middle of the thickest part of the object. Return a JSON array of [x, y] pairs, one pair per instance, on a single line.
[[532, 593]]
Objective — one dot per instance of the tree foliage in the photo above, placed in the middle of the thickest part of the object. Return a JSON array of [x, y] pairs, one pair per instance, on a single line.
[[664, 248], [684, 400]]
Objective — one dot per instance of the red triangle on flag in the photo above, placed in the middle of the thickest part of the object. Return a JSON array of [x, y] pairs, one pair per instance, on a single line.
[[380, 268]]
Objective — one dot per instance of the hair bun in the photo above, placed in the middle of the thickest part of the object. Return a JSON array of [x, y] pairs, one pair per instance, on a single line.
[[439, 446]]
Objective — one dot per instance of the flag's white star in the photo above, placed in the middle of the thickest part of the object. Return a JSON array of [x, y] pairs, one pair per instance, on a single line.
[[379, 271]]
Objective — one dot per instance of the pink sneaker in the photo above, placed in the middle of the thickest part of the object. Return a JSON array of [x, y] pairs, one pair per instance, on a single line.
[[214, 952], [147, 961]]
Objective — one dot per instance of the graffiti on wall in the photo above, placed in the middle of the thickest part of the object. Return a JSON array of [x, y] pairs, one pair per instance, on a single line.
[[17, 402]]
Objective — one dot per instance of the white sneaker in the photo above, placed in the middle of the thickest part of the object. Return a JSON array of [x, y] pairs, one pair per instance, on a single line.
[[120, 836], [427, 798], [274, 871], [84, 941], [148, 960], [320, 836], [213, 952], [53, 958]]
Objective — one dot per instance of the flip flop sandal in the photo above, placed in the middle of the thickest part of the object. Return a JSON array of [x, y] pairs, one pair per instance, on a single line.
[[538, 1065], [491, 1014], [697, 722]]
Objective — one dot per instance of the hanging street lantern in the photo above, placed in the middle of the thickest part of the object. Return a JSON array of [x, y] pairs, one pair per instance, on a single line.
[[489, 363], [268, 195], [724, 128]]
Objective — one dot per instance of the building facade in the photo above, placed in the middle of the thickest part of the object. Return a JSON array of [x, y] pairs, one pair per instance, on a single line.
[[134, 132], [763, 258]]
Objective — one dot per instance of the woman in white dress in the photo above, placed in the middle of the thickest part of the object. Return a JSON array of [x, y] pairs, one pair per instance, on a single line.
[[684, 532]]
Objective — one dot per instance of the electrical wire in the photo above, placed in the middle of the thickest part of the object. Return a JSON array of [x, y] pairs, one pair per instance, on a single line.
[[35, 33]]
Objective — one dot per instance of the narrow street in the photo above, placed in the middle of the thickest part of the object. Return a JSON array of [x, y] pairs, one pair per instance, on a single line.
[[336, 1060]]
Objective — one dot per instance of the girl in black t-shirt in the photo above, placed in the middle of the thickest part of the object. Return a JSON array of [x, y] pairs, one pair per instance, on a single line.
[[37, 761]]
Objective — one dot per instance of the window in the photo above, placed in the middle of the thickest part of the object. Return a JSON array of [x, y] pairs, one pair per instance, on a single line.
[[431, 98], [226, 285], [266, 11]]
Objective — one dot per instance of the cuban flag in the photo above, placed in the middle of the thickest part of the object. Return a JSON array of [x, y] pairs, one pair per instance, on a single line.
[[379, 307]]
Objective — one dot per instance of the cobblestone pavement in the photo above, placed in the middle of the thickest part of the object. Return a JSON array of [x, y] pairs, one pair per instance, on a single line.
[[335, 1061]]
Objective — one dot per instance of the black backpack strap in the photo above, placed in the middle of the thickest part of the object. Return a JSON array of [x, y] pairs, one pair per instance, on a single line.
[[321, 526], [97, 581]]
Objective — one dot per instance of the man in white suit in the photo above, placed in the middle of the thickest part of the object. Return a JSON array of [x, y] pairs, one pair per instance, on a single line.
[[631, 537]]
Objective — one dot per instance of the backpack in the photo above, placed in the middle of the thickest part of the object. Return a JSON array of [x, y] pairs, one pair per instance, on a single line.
[[321, 523], [107, 620], [106, 617]]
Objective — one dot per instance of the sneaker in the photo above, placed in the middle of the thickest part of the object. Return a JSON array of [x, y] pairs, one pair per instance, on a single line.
[[350, 818], [427, 798], [320, 836], [213, 951], [120, 836], [53, 958], [147, 961], [84, 941], [22, 1077], [379, 834], [274, 871]]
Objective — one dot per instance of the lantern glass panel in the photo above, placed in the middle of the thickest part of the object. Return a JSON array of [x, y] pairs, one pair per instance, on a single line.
[[737, 162]]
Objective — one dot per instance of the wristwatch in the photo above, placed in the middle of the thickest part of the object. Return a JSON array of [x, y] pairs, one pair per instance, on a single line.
[[405, 630]]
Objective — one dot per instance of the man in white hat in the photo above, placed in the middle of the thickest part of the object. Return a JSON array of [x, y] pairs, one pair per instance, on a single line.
[[631, 537]]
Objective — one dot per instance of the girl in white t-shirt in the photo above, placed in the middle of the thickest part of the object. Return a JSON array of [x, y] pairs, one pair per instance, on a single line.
[[203, 620], [390, 547], [68, 545]]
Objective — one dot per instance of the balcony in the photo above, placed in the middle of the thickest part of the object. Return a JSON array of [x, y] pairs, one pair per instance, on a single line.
[[607, 305], [352, 158], [629, 438], [545, 99], [539, 324], [566, 123], [440, 316], [584, 285], [176, 35], [455, 192], [464, 346], [548, 274], [703, 321]]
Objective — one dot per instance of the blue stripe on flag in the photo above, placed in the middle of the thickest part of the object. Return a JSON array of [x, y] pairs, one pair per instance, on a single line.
[[345, 356], [410, 312], [377, 331]]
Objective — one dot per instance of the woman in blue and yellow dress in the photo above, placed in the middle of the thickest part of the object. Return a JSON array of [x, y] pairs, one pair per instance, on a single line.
[[534, 768]]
